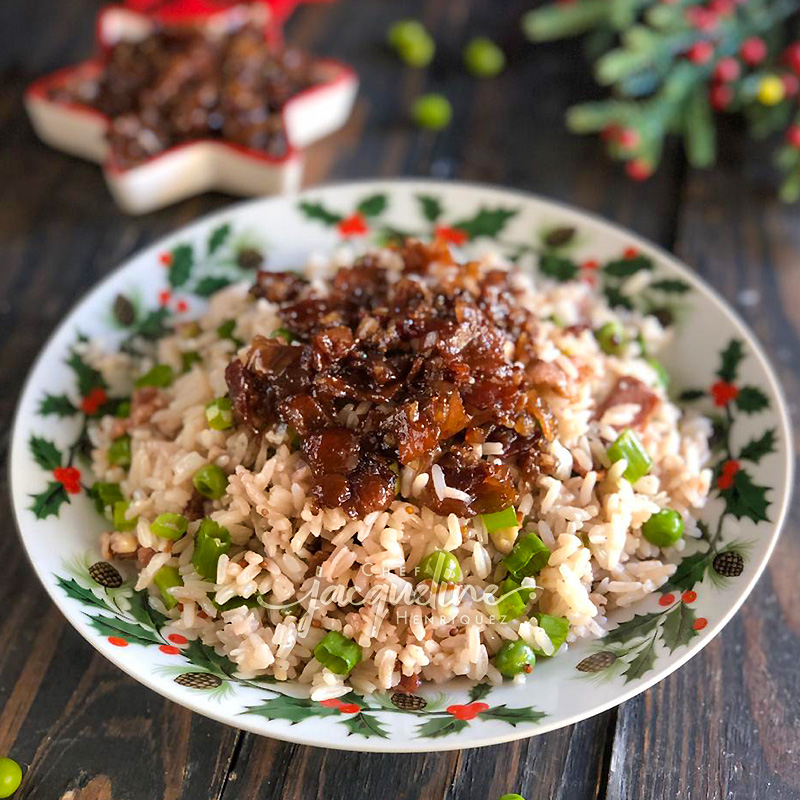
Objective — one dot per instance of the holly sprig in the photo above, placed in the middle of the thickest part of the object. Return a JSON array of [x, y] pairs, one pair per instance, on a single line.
[[673, 67]]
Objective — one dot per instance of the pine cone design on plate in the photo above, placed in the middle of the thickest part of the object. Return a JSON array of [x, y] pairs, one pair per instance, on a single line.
[[730, 564], [198, 680], [408, 702], [105, 574], [597, 662]]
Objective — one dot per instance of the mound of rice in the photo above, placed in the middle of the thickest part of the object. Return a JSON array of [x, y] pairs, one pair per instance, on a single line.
[[301, 558]]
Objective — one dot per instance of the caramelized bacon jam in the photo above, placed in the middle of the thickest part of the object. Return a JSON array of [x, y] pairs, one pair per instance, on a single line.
[[432, 358]]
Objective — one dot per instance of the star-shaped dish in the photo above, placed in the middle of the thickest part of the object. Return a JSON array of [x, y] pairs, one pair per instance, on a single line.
[[201, 164]]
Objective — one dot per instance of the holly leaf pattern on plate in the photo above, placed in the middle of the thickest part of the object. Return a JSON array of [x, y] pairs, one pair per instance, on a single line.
[[372, 206], [218, 237], [642, 663], [479, 691], [366, 725], [180, 268], [294, 709], [88, 377], [690, 571], [743, 498], [513, 716], [487, 222], [144, 613], [45, 453], [677, 629], [557, 267], [731, 356], [626, 267], [121, 628], [80, 593], [58, 405], [430, 206], [440, 726], [318, 212], [751, 400], [671, 286], [640, 625], [756, 449], [209, 285], [48, 503]]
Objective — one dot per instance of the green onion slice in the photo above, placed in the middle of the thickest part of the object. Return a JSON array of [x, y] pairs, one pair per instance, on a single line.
[[161, 375], [167, 578], [529, 556], [499, 520], [337, 653], [211, 541], [169, 526], [556, 628], [629, 447]]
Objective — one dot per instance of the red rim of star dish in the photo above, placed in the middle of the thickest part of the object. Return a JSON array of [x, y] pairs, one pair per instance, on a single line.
[[40, 88]]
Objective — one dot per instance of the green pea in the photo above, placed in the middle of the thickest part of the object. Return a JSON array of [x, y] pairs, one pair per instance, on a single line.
[[432, 111], [161, 376], [211, 481], [664, 528], [169, 526], [483, 58], [514, 658], [119, 451], [418, 52], [611, 338], [219, 414], [440, 567], [405, 30], [123, 409], [10, 776]]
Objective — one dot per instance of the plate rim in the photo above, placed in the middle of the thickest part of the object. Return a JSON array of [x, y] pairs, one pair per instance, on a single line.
[[287, 732]]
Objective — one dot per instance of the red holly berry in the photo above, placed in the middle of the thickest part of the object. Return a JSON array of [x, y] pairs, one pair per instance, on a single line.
[[793, 136], [700, 623], [169, 649], [666, 599], [753, 51], [452, 235], [727, 474], [177, 638], [723, 393], [725, 481], [117, 642], [720, 96], [610, 133], [349, 708], [69, 478], [630, 252], [791, 57], [590, 264], [96, 398], [591, 280], [704, 19], [689, 597], [467, 712], [629, 138], [354, 225], [164, 296], [181, 306], [722, 7], [638, 170], [334, 702], [727, 69], [165, 259], [791, 84], [700, 52]]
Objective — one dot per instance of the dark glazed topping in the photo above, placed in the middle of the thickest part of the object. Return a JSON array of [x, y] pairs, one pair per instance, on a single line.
[[181, 84], [436, 356]]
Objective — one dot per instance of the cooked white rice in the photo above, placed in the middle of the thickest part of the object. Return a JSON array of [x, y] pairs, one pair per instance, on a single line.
[[585, 511]]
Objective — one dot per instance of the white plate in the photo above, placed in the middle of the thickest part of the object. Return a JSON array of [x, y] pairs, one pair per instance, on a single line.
[[743, 519]]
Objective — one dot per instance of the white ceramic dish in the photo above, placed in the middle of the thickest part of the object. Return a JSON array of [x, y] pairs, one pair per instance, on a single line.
[[195, 167], [713, 357]]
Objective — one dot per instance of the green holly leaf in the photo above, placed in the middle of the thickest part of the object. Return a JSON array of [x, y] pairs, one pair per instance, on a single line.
[[677, 629], [57, 404], [751, 400], [77, 592], [144, 613], [88, 377], [688, 395], [430, 206], [210, 285], [513, 716], [45, 453], [294, 709], [205, 657], [479, 691], [180, 268], [153, 326], [745, 498], [218, 237], [373, 205], [690, 571], [48, 503], [615, 298], [640, 625], [440, 726], [671, 286], [318, 212], [557, 267], [366, 725], [625, 267], [642, 664], [388, 235], [487, 222], [731, 357], [756, 449], [129, 631]]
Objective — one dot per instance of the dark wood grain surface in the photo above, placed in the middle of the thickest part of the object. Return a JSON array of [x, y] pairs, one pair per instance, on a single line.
[[727, 725]]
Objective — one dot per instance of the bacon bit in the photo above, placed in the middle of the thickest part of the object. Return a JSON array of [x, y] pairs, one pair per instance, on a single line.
[[453, 631], [202, 614], [119, 427], [242, 563], [631, 390], [144, 403], [315, 623], [143, 556], [409, 683]]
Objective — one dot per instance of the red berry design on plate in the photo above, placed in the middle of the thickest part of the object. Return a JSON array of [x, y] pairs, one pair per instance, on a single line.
[[69, 478], [169, 649], [727, 70], [689, 597], [792, 57], [181, 306], [703, 19], [793, 136], [450, 235], [724, 393], [631, 252], [753, 51], [165, 259], [177, 638], [729, 470], [720, 96], [333, 702], [666, 599], [629, 138], [700, 52], [638, 170], [349, 708], [467, 712], [590, 264], [94, 400], [164, 296], [117, 641], [700, 623], [354, 225]]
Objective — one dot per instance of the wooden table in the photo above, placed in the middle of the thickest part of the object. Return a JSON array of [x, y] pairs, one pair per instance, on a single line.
[[727, 725]]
